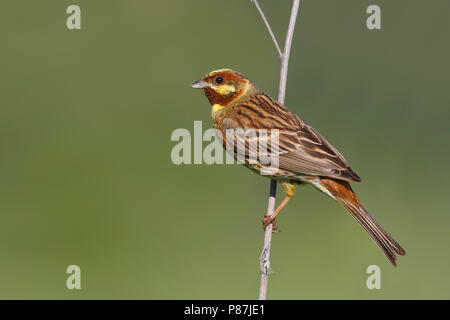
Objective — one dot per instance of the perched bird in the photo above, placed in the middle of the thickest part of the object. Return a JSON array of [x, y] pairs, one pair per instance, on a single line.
[[304, 156]]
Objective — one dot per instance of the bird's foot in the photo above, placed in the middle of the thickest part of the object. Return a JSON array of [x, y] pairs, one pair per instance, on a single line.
[[268, 219]]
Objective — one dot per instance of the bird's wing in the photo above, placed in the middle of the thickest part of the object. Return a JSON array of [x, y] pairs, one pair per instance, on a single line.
[[307, 152], [301, 149]]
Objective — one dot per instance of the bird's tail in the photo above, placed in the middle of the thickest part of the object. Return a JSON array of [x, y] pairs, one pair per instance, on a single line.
[[344, 194]]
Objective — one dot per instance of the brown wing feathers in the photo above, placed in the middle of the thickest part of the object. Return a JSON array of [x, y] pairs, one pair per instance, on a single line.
[[304, 150]]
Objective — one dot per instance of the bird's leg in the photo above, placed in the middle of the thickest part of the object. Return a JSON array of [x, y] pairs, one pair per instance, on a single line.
[[268, 219]]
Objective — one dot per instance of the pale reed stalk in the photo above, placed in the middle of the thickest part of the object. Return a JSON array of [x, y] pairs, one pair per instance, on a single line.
[[265, 255]]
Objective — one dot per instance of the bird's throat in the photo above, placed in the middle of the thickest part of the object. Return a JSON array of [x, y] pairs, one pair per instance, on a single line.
[[215, 110]]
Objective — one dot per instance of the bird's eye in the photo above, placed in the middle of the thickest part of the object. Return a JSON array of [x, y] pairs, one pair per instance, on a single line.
[[219, 80]]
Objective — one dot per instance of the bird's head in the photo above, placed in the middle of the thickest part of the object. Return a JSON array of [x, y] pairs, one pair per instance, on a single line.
[[223, 86]]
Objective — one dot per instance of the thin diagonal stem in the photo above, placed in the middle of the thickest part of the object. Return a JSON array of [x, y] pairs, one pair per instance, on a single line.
[[265, 255], [268, 27], [287, 51]]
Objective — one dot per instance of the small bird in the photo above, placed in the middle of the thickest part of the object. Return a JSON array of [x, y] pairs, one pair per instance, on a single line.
[[304, 156]]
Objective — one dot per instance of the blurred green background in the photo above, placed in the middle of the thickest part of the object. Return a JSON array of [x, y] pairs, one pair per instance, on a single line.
[[86, 175]]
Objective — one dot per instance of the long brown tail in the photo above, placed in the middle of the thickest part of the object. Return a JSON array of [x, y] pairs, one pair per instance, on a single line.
[[344, 194]]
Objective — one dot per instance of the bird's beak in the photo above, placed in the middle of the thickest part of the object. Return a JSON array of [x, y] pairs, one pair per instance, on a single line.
[[200, 84]]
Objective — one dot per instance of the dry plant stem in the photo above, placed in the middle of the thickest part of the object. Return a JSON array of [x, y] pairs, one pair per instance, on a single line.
[[265, 255], [268, 27], [287, 51]]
